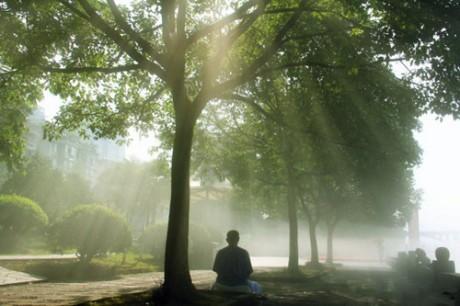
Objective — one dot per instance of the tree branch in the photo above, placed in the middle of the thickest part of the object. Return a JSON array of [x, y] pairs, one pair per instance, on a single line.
[[167, 17], [114, 69], [251, 70], [144, 44], [181, 18], [206, 30], [212, 65], [324, 65], [75, 10], [99, 23], [251, 103]]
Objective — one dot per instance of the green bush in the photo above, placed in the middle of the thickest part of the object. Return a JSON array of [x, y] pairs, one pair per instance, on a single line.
[[19, 216], [92, 230], [153, 241], [201, 244]]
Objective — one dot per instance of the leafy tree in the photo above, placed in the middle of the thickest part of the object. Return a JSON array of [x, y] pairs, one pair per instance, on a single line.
[[92, 230], [18, 95], [326, 137], [18, 216], [112, 65], [53, 190]]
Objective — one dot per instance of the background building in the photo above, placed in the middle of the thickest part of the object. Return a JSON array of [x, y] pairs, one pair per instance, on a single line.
[[71, 153]]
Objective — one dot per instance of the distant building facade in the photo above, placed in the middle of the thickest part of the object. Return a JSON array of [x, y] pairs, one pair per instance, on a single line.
[[71, 153]]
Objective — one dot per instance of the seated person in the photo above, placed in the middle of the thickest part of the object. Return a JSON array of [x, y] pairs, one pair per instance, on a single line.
[[233, 267], [442, 265], [421, 257], [422, 273]]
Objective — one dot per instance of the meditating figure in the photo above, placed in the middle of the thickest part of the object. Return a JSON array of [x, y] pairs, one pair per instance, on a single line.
[[421, 257], [233, 267], [440, 266]]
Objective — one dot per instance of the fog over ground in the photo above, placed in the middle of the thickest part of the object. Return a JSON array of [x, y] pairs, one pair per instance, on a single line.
[[437, 176]]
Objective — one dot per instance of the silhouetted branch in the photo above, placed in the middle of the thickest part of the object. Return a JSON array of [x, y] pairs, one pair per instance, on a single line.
[[114, 69], [99, 23], [251, 71], [144, 44], [208, 29]]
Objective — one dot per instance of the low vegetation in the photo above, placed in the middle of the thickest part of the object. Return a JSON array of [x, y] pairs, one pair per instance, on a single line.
[[19, 218], [100, 268], [92, 230]]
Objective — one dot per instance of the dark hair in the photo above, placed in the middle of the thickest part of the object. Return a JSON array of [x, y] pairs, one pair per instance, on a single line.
[[442, 254], [233, 236]]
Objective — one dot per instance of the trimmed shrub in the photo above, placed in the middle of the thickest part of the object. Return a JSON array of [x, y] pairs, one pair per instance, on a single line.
[[92, 230], [19, 216], [201, 245]]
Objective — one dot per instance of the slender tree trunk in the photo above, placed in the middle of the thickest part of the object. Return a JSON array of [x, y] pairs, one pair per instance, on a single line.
[[330, 237], [314, 257], [178, 283], [293, 264]]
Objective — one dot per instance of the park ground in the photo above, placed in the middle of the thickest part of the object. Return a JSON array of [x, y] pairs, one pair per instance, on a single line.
[[133, 282], [339, 285], [332, 287]]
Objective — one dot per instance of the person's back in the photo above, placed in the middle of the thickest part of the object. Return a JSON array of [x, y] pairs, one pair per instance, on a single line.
[[441, 266], [232, 266]]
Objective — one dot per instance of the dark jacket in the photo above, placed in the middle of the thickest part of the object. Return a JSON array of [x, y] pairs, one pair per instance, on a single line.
[[233, 266]]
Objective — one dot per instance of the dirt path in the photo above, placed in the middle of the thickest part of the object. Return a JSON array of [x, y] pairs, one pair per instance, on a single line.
[[52, 294]]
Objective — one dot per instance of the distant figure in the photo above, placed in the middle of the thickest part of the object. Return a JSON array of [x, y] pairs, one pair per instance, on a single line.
[[441, 265], [421, 273], [421, 258], [233, 267]]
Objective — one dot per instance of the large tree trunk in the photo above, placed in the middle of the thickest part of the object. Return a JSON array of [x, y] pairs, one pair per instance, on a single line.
[[293, 263], [330, 238], [178, 283], [314, 258]]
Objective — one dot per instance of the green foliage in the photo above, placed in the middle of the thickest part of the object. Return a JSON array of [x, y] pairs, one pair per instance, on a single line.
[[117, 69], [53, 190], [18, 96], [101, 268], [92, 230], [201, 244], [19, 216]]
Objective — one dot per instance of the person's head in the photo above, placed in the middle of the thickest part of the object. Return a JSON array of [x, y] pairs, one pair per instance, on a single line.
[[420, 253], [233, 237], [442, 254]]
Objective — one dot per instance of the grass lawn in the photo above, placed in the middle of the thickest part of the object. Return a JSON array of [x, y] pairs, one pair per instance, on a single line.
[[100, 268]]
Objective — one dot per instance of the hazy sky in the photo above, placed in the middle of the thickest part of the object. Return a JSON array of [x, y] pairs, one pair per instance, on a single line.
[[438, 175]]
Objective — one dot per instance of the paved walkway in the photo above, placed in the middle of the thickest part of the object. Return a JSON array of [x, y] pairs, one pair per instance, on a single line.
[[53, 294], [9, 277], [38, 257]]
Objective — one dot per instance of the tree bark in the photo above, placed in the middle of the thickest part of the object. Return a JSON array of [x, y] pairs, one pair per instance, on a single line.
[[330, 246], [293, 264], [178, 283], [314, 257]]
